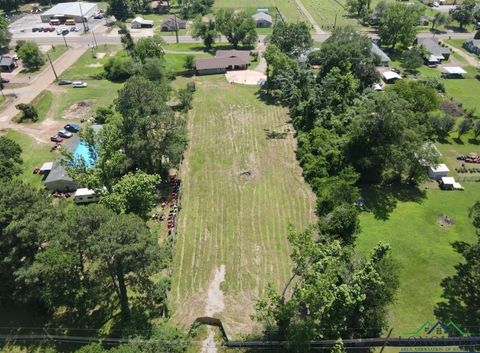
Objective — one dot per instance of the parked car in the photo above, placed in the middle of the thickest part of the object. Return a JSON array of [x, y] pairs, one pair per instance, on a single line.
[[65, 134], [121, 31], [40, 29], [59, 31], [72, 127], [64, 82], [4, 80], [34, 29], [99, 16], [65, 32], [79, 84], [51, 29], [74, 29], [56, 138]]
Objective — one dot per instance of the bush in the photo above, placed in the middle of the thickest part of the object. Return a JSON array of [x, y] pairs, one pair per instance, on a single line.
[[435, 83], [29, 112], [102, 114], [186, 97], [189, 63], [119, 68], [30, 55]]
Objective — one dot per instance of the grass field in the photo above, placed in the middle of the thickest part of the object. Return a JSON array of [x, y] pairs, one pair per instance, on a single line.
[[422, 248], [42, 103], [175, 62], [288, 8], [34, 154], [240, 192]]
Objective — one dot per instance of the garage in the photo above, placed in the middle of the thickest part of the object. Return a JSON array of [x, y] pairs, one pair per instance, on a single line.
[[78, 11]]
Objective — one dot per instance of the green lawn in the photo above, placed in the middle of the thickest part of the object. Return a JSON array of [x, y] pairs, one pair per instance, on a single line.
[[457, 43], [240, 191], [34, 155], [43, 102], [175, 62], [466, 90], [98, 93], [421, 247]]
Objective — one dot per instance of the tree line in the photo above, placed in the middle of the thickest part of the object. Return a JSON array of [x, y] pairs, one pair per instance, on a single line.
[[348, 136], [84, 266]]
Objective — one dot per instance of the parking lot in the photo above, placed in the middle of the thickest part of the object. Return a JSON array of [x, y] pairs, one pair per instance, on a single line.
[[24, 25]]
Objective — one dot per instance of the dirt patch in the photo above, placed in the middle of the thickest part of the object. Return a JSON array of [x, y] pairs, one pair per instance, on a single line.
[[94, 65], [79, 110], [445, 221], [100, 55], [246, 77]]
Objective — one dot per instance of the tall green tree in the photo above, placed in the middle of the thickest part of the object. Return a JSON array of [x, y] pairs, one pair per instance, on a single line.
[[120, 9], [237, 26], [439, 19], [5, 35], [10, 158], [461, 295], [412, 59], [464, 13], [207, 31], [398, 24], [30, 54], [149, 47], [133, 193], [464, 126], [126, 253], [321, 301], [291, 38]]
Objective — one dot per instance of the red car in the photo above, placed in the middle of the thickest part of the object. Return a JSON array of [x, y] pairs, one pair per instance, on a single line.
[[56, 138]]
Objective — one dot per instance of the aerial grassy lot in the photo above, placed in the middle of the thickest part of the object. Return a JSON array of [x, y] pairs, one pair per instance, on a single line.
[[421, 247], [34, 154], [240, 192], [288, 8]]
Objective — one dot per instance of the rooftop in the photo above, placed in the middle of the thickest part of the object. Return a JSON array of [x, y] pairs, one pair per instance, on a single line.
[[223, 59], [455, 70], [376, 50], [262, 16], [71, 8]]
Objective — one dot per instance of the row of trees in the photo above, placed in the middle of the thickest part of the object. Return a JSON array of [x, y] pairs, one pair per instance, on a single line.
[[237, 26]]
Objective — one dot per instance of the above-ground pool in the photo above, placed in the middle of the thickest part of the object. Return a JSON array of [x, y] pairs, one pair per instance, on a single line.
[[83, 151]]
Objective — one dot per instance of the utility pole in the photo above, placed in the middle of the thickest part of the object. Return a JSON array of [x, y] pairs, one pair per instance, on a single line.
[[335, 23], [95, 39], [81, 14], [51, 64], [176, 26], [65, 40]]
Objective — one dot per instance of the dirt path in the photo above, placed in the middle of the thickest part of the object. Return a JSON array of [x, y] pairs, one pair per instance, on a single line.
[[215, 304], [38, 83], [314, 23], [470, 59]]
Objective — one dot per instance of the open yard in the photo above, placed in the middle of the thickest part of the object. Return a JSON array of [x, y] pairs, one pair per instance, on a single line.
[[240, 192], [420, 245], [34, 155]]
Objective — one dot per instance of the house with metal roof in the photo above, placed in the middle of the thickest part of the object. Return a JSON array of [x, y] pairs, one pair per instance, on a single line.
[[473, 46], [262, 19], [7, 64], [59, 180], [79, 11], [139, 22], [169, 23], [384, 59], [435, 52]]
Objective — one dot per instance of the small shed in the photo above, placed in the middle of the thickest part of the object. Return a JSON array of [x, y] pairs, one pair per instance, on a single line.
[[391, 76], [438, 172], [46, 167], [447, 183], [84, 195], [453, 72], [383, 59], [7, 64], [139, 22], [262, 20], [169, 22], [59, 180]]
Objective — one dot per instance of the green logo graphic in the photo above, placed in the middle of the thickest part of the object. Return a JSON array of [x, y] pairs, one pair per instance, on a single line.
[[439, 328]]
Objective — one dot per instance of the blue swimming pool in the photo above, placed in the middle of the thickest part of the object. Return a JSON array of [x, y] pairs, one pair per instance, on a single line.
[[83, 151]]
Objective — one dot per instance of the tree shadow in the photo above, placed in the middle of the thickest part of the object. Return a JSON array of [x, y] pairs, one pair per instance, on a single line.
[[267, 97], [473, 141], [458, 140], [456, 29], [382, 200]]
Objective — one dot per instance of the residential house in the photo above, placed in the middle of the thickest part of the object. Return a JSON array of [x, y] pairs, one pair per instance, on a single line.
[[435, 53], [262, 20], [139, 22], [168, 24], [473, 46], [224, 60], [59, 180]]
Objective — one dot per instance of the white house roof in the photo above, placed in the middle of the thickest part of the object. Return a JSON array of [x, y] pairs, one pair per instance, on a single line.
[[262, 16], [448, 180], [390, 75], [143, 21], [455, 70], [440, 168], [84, 192], [71, 8], [46, 166]]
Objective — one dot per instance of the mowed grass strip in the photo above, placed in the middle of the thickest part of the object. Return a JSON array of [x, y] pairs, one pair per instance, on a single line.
[[422, 248], [240, 193]]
